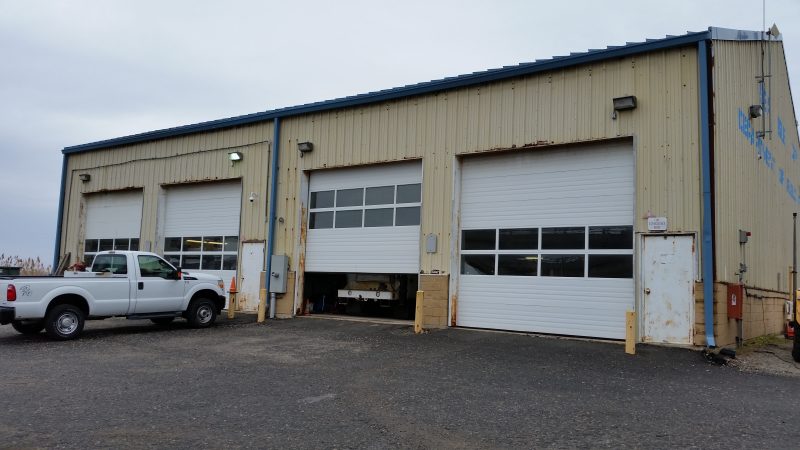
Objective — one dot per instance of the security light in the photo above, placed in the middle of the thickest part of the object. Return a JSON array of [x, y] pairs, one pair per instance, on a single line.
[[85, 177], [624, 103], [756, 111], [235, 157], [305, 147]]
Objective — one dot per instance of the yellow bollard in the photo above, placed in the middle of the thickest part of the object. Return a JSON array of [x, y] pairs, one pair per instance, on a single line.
[[418, 312], [630, 332], [232, 299], [262, 305]]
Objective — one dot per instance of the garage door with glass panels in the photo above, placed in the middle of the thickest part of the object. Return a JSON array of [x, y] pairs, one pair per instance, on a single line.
[[546, 241], [365, 219], [201, 227], [113, 222]]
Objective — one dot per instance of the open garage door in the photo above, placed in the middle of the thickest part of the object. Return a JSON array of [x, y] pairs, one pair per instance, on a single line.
[[201, 228], [362, 251], [365, 220], [546, 242], [113, 222]]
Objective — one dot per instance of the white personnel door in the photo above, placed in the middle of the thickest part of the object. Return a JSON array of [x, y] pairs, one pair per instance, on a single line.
[[668, 289], [252, 269]]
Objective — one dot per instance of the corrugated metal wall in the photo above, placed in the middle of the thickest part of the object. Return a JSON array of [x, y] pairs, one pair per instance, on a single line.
[[754, 183], [148, 166], [565, 106]]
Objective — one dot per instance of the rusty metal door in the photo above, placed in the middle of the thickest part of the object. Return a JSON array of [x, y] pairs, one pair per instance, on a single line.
[[668, 289], [252, 269]]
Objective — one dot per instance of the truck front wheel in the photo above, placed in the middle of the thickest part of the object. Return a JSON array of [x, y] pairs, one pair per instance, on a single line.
[[64, 322], [28, 327], [202, 313]]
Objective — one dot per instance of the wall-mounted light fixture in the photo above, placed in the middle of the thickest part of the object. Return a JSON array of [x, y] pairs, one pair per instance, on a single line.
[[756, 111], [235, 157], [623, 104], [85, 177], [305, 147]]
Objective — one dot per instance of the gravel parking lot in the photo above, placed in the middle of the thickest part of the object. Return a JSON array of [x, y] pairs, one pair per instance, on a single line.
[[315, 383]]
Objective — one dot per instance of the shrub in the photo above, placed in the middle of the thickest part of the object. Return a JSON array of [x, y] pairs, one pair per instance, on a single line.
[[29, 266]]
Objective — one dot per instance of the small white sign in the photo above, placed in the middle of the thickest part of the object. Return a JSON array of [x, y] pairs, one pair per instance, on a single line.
[[657, 224]]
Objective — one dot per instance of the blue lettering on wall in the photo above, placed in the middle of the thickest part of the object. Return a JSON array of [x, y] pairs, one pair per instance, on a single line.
[[766, 155], [765, 100]]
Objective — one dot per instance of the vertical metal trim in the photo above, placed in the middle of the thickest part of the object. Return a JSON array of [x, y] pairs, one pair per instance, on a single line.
[[57, 249], [273, 200], [705, 151]]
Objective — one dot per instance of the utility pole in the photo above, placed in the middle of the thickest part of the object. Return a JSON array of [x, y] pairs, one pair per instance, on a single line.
[[796, 343]]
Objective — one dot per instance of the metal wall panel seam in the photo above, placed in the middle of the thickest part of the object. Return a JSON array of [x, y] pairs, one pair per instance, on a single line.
[[705, 149]]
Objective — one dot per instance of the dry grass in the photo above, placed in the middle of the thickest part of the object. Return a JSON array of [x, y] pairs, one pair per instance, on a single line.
[[29, 266]]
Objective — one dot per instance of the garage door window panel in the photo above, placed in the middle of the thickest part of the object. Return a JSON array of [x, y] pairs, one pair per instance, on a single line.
[[611, 266], [611, 237], [407, 216], [382, 195], [349, 197], [563, 265], [379, 217], [478, 239], [564, 238], [519, 239], [319, 220], [322, 199], [517, 265], [348, 218], [409, 193], [477, 264]]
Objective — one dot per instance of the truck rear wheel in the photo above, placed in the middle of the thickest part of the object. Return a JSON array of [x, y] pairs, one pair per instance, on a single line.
[[64, 322], [28, 327], [202, 313]]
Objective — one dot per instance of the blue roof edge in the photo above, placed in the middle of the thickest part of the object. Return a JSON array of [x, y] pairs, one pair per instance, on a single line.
[[428, 86]]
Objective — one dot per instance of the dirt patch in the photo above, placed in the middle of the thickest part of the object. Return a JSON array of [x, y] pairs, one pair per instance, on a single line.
[[769, 355]]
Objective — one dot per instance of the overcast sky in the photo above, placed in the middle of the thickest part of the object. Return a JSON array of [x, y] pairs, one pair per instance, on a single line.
[[74, 72]]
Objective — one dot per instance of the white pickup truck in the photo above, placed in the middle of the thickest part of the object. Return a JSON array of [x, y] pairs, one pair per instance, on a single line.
[[136, 285]]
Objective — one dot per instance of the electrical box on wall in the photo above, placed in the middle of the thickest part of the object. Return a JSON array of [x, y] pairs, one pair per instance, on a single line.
[[280, 271], [735, 301]]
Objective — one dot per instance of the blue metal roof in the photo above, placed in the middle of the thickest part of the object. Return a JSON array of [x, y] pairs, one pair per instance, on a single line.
[[557, 62]]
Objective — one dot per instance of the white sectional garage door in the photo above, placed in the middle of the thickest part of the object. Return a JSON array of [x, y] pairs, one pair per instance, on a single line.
[[201, 227], [365, 220], [113, 222], [547, 241]]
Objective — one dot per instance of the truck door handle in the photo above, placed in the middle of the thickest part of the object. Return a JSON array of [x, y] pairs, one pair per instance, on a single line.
[[141, 285]]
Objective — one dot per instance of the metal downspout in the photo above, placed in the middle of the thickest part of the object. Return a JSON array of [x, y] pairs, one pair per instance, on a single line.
[[272, 202], [705, 150], [57, 250]]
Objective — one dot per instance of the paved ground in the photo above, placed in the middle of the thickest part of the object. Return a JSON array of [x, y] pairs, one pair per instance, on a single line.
[[313, 383]]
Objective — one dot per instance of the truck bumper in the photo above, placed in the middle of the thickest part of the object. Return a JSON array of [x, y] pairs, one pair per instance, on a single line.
[[6, 315]]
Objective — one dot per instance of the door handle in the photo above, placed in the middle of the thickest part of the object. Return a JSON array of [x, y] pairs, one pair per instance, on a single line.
[[647, 291], [141, 285]]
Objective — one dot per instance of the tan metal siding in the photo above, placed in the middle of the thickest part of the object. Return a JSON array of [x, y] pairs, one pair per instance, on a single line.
[[749, 195], [565, 106], [150, 165]]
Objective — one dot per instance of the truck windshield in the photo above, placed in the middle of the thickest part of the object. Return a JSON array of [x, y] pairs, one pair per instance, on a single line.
[[110, 263]]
